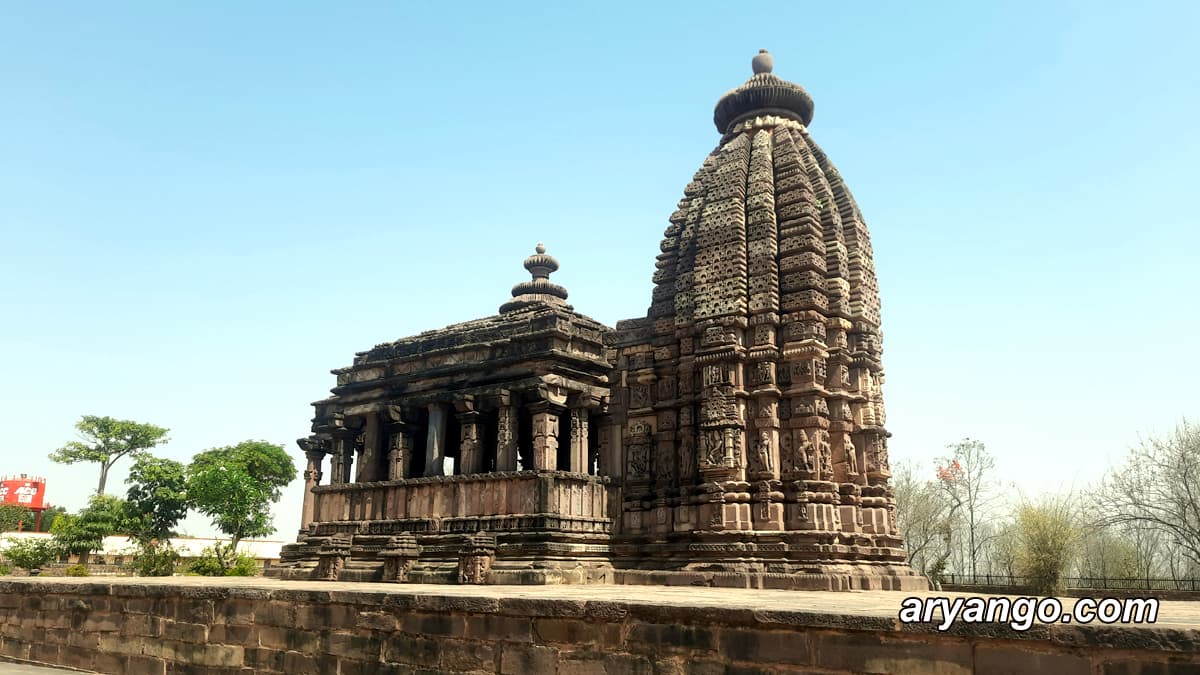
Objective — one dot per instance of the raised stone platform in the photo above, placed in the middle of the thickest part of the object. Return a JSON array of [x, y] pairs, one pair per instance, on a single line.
[[225, 626]]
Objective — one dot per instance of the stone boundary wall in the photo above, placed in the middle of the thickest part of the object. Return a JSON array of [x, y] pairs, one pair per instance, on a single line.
[[221, 629]]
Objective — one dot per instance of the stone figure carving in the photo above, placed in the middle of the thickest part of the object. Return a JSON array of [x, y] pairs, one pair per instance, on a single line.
[[851, 457], [687, 458], [639, 458], [762, 451], [714, 447], [823, 451]]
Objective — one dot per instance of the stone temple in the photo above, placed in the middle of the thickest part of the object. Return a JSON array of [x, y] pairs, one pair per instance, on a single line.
[[734, 436]]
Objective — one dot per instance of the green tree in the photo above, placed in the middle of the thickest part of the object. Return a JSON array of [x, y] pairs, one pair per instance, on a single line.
[[157, 498], [83, 533], [1047, 537], [13, 516], [236, 486], [48, 515], [106, 440]]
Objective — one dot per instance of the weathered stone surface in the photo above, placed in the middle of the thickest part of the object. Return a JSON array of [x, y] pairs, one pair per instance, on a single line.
[[489, 629]]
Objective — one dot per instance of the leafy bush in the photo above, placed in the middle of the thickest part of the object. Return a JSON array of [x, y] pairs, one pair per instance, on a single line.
[[223, 561], [155, 560], [30, 554], [77, 571], [5, 570]]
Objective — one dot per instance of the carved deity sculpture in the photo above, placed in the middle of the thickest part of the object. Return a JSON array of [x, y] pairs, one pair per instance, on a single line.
[[762, 451]]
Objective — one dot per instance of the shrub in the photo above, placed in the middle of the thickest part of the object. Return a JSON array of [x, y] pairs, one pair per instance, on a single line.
[[218, 561], [1047, 538], [5, 570], [77, 571], [30, 554], [155, 560]]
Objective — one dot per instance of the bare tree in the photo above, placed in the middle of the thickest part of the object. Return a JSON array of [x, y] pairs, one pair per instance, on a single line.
[[921, 512], [965, 477], [1158, 488]]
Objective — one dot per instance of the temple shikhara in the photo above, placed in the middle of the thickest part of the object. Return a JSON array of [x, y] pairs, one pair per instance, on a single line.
[[734, 436]]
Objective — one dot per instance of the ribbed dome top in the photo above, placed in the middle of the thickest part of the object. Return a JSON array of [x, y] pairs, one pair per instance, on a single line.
[[763, 94]]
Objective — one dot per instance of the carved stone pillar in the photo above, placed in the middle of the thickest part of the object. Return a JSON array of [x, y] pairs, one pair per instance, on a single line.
[[545, 436], [315, 453], [435, 445], [343, 456], [368, 458], [506, 436], [399, 450], [470, 453], [579, 440]]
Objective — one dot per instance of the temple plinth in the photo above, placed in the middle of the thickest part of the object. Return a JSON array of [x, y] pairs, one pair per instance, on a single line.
[[734, 436]]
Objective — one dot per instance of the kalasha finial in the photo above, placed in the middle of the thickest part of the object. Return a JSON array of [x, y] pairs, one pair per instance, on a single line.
[[762, 63], [539, 289]]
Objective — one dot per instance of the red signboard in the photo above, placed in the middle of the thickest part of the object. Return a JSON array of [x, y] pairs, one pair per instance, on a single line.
[[27, 492]]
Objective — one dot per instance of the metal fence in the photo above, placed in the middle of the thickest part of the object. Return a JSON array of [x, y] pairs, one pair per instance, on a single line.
[[1092, 583]]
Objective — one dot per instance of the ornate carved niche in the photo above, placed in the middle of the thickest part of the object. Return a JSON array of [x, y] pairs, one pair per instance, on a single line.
[[666, 388], [764, 335], [332, 556], [796, 459], [399, 554], [718, 374], [764, 373], [637, 452], [666, 420], [687, 456], [639, 396], [476, 558]]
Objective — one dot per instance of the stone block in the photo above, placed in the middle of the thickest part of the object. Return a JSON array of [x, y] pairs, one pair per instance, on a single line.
[[521, 659], [878, 653], [467, 655], [234, 611], [434, 624], [411, 650], [576, 632], [651, 636], [1014, 659], [185, 632], [145, 665], [109, 664], [140, 625], [277, 637], [498, 627], [233, 634], [276, 613], [318, 616], [766, 646], [355, 646], [261, 658]]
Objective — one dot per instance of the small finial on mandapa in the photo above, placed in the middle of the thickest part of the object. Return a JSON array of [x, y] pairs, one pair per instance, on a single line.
[[762, 62], [540, 248]]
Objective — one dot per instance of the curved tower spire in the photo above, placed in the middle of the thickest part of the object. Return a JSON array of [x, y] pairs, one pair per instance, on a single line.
[[753, 403]]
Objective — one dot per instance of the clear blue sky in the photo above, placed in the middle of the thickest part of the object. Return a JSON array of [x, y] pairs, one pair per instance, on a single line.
[[205, 207]]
